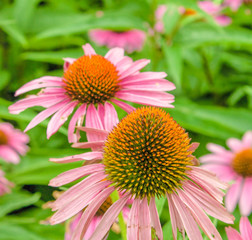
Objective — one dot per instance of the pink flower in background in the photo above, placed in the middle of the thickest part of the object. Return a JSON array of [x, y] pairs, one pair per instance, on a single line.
[[245, 230], [215, 11], [233, 165], [5, 185], [145, 155], [159, 14], [89, 81], [12, 143], [130, 41], [233, 4]]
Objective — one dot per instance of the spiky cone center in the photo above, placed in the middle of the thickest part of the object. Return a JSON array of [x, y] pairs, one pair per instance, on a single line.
[[242, 163], [147, 153], [91, 79], [3, 138]]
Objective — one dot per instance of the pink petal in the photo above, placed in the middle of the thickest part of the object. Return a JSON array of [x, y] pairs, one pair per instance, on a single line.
[[145, 99], [151, 85], [247, 140], [88, 50], [42, 82], [9, 154], [133, 222], [101, 134], [93, 121], [34, 100], [232, 234], [175, 218], [96, 145], [234, 144], [223, 20], [126, 107], [114, 55], [216, 159], [90, 212], [68, 62], [155, 222], [110, 118], [199, 215], [84, 156], [144, 220], [233, 195], [144, 76], [216, 148], [78, 116], [74, 174], [78, 190], [45, 114], [245, 228], [135, 67], [109, 217], [59, 118], [245, 203], [210, 205], [101, 112], [69, 210], [186, 218]]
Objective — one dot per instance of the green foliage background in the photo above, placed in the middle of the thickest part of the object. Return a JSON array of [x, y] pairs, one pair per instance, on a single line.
[[210, 65]]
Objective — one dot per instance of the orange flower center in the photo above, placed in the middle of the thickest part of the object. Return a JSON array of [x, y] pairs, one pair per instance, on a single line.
[[242, 163], [147, 153], [3, 138], [91, 79]]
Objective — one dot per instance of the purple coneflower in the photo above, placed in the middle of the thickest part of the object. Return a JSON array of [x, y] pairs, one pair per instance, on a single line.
[[130, 41], [13, 143], [93, 80], [146, 155], [233, 165]]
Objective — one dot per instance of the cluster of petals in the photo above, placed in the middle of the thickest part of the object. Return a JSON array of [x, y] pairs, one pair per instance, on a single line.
[[73, 224], [220, 163], [130, 41], [201, 194], [5, 185], [245, 231], [159, 14], [14, 144], [146, 88], [215, 10]]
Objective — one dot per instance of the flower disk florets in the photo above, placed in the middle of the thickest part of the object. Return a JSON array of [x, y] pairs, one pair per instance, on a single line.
[[91, 79], [147, 153], [3, 138], [242, 163]]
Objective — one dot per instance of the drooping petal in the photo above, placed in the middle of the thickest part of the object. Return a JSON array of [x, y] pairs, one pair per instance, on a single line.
[[235, 144], [59, 118], [90, 212], [245, 228], [186, 218], [133, 222], [79, 114], [9, 154], [233, 234], [247, 140], [74, 174], [80, 157], [47, 81], [245, 203], [144, 220], [115, 55], [110, 118], [155, 222], [45, 114], [109, 217], [126, 107], [233, 195]]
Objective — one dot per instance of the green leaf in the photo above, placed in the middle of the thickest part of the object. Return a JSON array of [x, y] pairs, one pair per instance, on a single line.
[[16, 232], [174, 61], [167, 230], [202, 33], [5, 78], [27, 7], [212, 121], [16, 200], [160, 202]]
